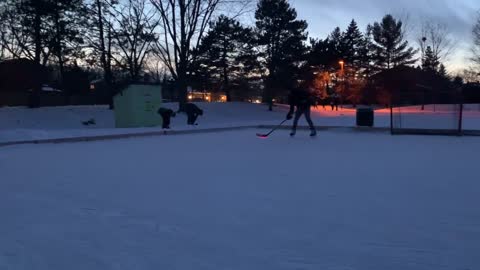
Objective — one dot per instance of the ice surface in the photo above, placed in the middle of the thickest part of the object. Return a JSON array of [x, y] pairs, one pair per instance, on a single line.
[[341, 201]]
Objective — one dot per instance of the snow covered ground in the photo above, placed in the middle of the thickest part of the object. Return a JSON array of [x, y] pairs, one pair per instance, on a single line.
[[341, 201], [18, 124], [60, 122]]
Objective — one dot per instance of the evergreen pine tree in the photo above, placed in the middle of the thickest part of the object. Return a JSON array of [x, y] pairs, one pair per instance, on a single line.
[[281, 38], [430, 61], [322, 54], [390, 47], [365, 56], [442, 71], [336, 43], [224, 51], [352, 43]]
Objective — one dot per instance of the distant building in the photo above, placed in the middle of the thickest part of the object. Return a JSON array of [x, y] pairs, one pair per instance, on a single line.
[[21, 75], [206, 96]]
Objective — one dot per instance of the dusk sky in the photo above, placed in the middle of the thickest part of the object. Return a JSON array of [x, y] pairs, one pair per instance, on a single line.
[[324, 15]]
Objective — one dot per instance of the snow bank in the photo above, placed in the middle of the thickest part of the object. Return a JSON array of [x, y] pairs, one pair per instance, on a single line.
[[18, 124]]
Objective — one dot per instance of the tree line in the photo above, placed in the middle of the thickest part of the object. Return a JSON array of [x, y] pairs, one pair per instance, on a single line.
[[203, 44]]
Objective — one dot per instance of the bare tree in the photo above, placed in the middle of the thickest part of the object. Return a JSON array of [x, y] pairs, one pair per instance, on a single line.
[[469, 75], [133, 29], [22, 30], [40, 29], [2, 32], [67, 29], [155, 68], [408, 26], [476, 41], [2, 50], [438, 37], [100, 39], [183, 23]]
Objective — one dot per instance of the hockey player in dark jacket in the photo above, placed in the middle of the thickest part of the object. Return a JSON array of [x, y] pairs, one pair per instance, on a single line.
[[193, 111], [166, 115], [302, 100]]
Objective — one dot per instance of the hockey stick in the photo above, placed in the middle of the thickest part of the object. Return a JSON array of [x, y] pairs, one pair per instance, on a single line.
[[271, 131]]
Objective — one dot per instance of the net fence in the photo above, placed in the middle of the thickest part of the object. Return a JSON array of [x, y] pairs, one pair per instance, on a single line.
[[427, 112]]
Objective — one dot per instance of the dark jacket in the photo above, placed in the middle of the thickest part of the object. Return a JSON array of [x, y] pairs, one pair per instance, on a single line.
[[192, 109], [164, 112], [300, 99]]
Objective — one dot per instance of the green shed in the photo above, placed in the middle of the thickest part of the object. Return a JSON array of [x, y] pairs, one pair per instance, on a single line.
[[137, 106]]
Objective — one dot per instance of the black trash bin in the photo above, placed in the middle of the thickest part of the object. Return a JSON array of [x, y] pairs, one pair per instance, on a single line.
[[365, 117]]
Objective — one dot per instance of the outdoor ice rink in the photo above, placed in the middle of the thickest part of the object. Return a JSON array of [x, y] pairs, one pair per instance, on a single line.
[[342, 201]]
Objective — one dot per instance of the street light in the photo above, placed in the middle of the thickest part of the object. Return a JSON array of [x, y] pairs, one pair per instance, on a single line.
[[342, 64], [342, 73]]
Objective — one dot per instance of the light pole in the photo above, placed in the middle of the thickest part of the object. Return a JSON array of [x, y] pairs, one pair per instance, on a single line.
[[342, 73], [424, 40], [342, 64]]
